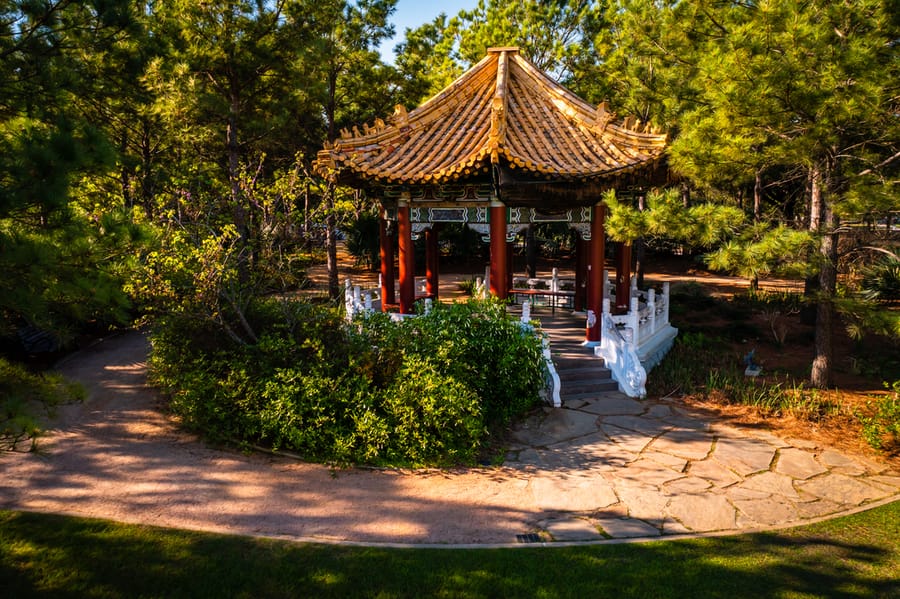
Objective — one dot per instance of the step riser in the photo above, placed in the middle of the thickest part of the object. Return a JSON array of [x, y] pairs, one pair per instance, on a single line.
[[598, 390], [583, 396], [587, 377]]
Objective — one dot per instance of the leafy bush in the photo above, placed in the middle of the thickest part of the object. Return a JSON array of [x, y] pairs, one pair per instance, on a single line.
[[421, 391], [881, 425], [24, 396]]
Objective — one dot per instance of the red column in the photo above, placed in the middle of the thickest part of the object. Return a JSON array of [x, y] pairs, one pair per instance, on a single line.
[[407, 259], [596, 251], [580, 272], [432, 254], [388, 295], [498, 250], [623, 276]]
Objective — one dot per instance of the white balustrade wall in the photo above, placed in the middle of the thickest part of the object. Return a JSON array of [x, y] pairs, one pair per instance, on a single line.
[[647, 315]]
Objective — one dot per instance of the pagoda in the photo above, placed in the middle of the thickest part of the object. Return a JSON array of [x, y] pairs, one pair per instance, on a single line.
[[500, 148]]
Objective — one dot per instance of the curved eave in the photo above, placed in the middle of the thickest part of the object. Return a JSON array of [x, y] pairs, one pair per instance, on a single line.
[[503, 110]]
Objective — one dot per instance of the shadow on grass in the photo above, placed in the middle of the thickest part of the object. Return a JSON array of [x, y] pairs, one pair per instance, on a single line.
[[44, 555]]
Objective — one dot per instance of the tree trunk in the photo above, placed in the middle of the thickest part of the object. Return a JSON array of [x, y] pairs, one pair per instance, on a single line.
[[239, 215], [822, 222], [757, 197], [640, 250], [330, 219], [148, 189], [306, 216], [331, 245]]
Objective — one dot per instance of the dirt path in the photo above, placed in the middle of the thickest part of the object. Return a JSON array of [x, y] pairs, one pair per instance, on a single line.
[[117, 456]]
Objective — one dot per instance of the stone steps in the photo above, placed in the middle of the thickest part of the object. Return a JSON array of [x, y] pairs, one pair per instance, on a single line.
[[582, 375]]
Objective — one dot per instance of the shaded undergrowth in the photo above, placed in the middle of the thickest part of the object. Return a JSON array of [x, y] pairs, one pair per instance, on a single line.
[[705, 364]]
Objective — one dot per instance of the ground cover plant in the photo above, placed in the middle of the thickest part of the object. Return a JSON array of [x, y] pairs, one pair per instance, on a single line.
[[423, 391], [44, 555]]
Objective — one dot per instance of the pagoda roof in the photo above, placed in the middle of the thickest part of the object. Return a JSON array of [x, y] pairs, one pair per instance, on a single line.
[[502, 113]]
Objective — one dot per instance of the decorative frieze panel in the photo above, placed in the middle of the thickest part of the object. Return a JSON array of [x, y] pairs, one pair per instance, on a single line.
[[483, 229], [519, 217], [583, 229], [556, 217], [513, 230], [448, 215], [530, 215], [440, 193]]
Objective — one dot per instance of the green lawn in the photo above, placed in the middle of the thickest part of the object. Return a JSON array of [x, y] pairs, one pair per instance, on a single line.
[[41, 555]]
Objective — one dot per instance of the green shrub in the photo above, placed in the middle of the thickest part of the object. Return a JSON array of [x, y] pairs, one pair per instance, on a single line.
[[468, 286], [881, 281], [421, 391], [436, 418]]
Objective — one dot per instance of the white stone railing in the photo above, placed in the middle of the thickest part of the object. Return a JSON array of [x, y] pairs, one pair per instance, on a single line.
[[620, 355], [647, 314], [356, 300], [552, 384], [619, 352], [633, 342]]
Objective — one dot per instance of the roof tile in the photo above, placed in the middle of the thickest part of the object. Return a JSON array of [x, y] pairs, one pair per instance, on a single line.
[[502, 110]]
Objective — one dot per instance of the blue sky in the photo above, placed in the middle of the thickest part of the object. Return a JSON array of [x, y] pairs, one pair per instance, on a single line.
[[412, 13]]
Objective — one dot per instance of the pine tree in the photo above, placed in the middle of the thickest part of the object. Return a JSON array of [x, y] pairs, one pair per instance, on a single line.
[[807, 89]]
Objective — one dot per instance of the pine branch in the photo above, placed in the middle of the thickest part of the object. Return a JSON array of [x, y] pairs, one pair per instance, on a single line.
[[880, 165]]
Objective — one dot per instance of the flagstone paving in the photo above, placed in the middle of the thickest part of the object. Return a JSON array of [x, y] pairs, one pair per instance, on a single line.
[[677, 473]]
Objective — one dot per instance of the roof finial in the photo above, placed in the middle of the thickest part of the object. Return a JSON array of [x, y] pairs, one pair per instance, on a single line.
[[401, 116], [603, 117]]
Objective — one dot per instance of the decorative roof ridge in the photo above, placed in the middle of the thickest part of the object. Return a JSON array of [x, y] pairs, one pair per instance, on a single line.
[[598, 119], [500, 103]]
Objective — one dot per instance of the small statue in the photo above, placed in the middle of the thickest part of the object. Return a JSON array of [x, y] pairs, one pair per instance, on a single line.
[[753, 369]]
